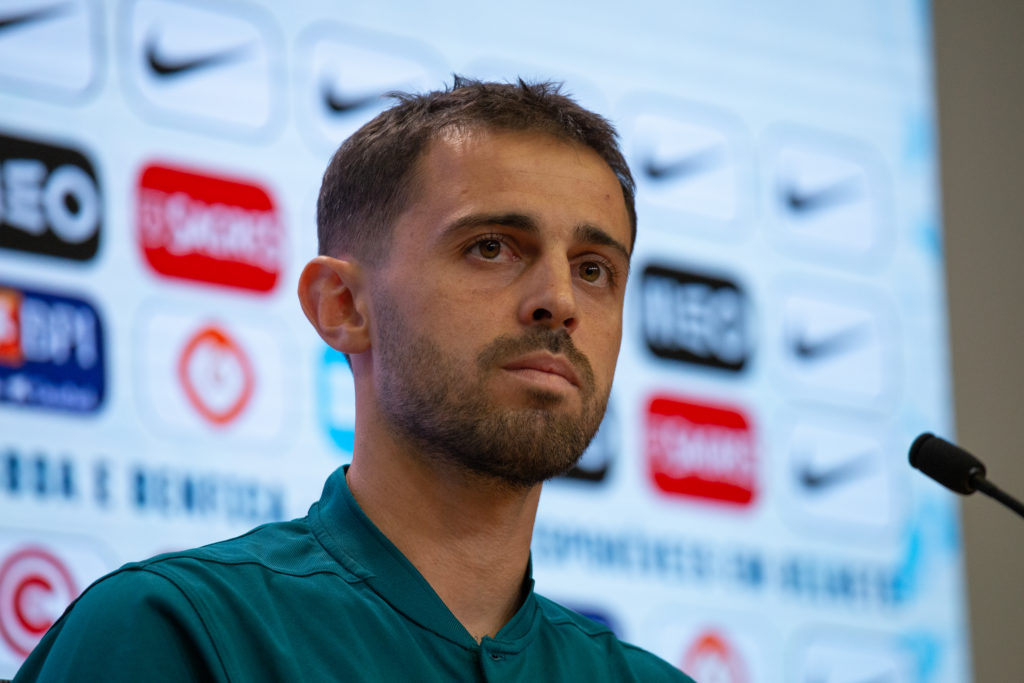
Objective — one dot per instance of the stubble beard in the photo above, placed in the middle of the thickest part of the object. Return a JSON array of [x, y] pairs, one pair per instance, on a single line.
[[444, 410]]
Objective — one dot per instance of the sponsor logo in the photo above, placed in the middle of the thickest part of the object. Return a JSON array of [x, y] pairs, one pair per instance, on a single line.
[[165, 66], [203, 66], [701, 451], [210, 229], [336, 400], [186, 494], [838, 346], [50, 48], [216, 375], [694, 318], [213, 377], [50, 201], [347, 73], [26, 18], [51, 351], [712, 658], [694, 163], [828, 195], [35, 587], [35, 472], [838, 478]]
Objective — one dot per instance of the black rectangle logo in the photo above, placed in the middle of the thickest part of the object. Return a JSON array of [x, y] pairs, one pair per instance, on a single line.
[[50, 201], [695, 318]]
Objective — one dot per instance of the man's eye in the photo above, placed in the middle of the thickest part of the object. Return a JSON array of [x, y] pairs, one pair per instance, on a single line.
[[591, 271], [489, 249]]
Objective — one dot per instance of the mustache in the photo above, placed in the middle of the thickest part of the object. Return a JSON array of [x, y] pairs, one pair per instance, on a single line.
[[508, 347]]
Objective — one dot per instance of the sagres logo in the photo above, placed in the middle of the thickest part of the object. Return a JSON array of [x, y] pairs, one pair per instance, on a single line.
[[50, 200], [216, 375], [711, 657], [700, 450], [35, 587], [51, 351], [208, 228]]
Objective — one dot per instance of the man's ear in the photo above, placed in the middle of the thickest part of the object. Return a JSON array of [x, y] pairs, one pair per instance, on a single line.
[[332, 297]]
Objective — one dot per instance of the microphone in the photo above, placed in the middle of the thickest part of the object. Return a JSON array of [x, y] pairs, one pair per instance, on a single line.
[[956, 469]]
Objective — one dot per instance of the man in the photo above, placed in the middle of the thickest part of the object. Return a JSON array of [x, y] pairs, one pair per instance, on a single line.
[[475, 245]]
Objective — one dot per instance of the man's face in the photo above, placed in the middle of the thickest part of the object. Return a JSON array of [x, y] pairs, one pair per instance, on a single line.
[[497, 316]]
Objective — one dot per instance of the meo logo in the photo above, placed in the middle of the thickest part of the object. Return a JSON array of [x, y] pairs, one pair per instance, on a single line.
[[209, 229], [701, 451], [50, 200]]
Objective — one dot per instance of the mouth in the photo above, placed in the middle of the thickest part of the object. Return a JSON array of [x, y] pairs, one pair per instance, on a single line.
[[545, 368]]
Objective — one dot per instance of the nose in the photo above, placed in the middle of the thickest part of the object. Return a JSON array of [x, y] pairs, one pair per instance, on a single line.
[[549, 297]]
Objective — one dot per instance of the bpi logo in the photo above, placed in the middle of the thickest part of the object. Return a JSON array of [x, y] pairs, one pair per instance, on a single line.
[[208, 228], [700, 450], [51, 351], [712, 659], [216, 375], [50, 201], [35, 587], [695, 318]]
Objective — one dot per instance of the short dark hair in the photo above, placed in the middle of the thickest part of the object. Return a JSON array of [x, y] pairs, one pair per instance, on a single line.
[[368, 181]]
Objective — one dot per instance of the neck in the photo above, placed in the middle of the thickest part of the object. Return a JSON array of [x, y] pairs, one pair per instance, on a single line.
[[468, 535]]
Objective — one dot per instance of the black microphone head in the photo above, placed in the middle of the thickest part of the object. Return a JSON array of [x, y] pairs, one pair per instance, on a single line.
[[946, 463]]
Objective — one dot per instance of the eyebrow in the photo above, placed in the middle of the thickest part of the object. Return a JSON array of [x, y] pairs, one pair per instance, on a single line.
[[584, 232]]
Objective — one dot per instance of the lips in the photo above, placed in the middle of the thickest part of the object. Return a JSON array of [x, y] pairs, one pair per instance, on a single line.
[[546, 363]]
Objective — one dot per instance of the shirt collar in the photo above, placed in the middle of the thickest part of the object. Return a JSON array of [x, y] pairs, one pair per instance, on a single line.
[[367, 554]]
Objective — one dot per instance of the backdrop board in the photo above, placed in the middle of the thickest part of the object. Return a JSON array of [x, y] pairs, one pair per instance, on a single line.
[[745, 511]]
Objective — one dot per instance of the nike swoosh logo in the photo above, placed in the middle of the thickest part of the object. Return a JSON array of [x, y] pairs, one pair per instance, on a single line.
[[341, 104], [32, 16], [803, 202], [818, 479], [166, 67], [828, 345], [684, 166]]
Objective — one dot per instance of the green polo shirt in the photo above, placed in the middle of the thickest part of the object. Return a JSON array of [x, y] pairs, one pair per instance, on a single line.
[[326, 597]]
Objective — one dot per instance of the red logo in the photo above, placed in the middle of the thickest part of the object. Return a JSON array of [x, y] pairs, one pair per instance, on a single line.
[[700, 450], [216, 374], [216, 230], [35, 587], [10, 328], [710, 658]]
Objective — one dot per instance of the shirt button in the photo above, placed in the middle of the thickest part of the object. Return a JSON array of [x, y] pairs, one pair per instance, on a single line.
[[496, 657]]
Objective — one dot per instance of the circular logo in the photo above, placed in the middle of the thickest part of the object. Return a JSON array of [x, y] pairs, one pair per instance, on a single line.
[[35, 587], [216, 375], [711, 659]]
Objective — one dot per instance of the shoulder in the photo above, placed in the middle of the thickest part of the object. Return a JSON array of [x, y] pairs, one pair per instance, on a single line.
[[271, 568], [280, 547], [602, 643], [135, 618], [177, 604]]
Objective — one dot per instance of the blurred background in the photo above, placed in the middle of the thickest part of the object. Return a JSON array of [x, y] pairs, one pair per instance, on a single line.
[[746, 510], [978, 56]]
